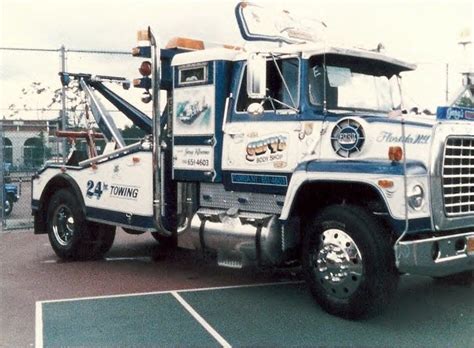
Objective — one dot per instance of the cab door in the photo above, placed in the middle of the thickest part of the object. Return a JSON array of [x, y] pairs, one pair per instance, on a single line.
[[261, 151]]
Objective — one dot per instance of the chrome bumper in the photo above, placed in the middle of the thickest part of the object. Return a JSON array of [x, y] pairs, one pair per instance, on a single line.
[[437, 256]]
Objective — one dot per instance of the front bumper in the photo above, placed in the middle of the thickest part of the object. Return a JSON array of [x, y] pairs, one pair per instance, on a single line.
[[437, 256]]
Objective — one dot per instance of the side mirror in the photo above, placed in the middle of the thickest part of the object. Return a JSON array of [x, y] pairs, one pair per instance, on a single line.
[[256, 76], [255, 109]]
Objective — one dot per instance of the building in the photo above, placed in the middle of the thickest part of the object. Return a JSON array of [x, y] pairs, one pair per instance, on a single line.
[[27, 144]]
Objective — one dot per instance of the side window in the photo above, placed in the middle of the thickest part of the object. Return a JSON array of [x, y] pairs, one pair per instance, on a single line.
[[192, 74], [277, 91]]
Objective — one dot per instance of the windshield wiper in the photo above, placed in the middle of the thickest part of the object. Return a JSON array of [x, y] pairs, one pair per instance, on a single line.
[[273, 100]]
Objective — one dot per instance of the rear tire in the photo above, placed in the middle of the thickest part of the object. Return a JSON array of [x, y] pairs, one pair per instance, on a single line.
[[348, 262], [70, 235], [102, 236], [166, 242]]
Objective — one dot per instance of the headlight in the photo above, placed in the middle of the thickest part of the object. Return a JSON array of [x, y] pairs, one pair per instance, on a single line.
[[416, 197]]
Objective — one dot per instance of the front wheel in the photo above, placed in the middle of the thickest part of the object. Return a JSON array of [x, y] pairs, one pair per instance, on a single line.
[[348, 262]]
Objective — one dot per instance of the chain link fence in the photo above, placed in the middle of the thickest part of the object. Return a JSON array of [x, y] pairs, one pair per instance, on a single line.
[[25, 148]]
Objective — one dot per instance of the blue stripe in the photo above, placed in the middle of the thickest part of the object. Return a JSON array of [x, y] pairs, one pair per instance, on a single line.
[[192, 140], [191, 175], [120, 218], [259, 179], [367, 167], [256, 182], [385, 119]]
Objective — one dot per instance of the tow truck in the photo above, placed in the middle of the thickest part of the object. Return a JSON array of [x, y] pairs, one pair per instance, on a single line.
[[301, 153]]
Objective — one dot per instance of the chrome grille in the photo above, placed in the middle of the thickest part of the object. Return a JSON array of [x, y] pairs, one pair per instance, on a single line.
[[458, 176]]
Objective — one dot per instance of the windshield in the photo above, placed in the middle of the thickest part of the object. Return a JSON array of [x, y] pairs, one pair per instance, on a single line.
[[353, 88]]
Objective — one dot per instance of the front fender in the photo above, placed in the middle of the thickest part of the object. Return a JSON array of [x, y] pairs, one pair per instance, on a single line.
[[360, 172], [40, 208]]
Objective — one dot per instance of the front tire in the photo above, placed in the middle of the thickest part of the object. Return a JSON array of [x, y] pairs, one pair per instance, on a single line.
[[70, 235], [348, 262]]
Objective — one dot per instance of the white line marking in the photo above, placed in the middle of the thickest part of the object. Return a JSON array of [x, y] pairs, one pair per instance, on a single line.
[[201, 320], [49, 261], [170, 291], [111, 259], [14, 230], [39, 325]]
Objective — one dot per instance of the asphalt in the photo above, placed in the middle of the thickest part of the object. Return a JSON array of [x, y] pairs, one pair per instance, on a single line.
[[38, 301]]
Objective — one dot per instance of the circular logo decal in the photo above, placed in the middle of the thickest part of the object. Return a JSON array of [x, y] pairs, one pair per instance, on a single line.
[[347, 138]]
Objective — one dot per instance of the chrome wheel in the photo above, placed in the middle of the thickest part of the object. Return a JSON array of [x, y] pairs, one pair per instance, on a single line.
[[337, 263], [63, 225]]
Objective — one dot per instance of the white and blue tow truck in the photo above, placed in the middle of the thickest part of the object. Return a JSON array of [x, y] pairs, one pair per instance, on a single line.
[[301, 153]]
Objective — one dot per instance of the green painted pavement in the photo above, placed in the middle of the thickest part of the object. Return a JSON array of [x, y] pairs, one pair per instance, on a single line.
[[139, 321], [422, 314]]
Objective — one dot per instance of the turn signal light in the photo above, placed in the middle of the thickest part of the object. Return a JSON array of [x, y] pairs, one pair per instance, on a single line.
[[395, 153], [385, 184], [470, 245], [145, 68]]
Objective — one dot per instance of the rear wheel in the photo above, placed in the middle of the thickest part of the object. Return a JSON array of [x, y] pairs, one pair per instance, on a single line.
[[348, 262], [166, 242], [102, 237], [70, 235]]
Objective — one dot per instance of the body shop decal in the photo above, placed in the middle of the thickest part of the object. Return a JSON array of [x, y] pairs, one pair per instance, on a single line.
[[268, 149]]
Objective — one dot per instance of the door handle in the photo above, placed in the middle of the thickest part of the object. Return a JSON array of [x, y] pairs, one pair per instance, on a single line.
[[298, 128]]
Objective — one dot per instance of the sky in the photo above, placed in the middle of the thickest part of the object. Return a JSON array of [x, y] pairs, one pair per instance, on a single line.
[[422, 32]]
